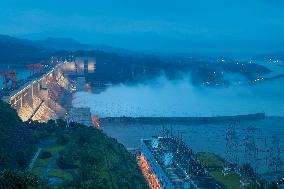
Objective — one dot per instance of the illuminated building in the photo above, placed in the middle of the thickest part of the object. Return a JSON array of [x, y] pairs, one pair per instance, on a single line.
[[80, 115], [174, 165]]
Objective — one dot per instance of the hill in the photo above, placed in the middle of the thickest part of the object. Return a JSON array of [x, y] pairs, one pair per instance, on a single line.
[[73, 156], [13, 50], [23, 51], [59, 44], [17, 143]]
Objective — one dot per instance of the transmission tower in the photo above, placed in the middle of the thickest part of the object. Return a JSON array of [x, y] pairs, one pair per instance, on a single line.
[[232, 144]]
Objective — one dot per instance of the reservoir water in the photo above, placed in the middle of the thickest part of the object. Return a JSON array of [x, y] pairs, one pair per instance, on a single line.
[[255, 141], [263, 134]]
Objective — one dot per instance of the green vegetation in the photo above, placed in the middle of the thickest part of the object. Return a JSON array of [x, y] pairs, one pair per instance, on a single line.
[[215, 163], [41, 162], [127, 69], [57, 172], [100, 161], [20, 180], [211, 159], [17, 143], [230, 181], [82, 157], [37, 170], [54, 150]]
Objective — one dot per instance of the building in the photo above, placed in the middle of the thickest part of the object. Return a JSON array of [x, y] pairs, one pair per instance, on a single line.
[[174, 164], [80, 84], [85, 65], [80, 66], [80, 115]]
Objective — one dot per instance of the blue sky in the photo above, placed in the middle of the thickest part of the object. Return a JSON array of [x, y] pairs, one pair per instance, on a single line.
[[246, 26]]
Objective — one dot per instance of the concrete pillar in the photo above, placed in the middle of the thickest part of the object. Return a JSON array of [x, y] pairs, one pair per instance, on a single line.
[[43, 84], [21, 100], [32, 91]]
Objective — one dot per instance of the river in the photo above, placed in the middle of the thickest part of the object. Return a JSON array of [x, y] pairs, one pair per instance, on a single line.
[[162, 97], [212, 138]]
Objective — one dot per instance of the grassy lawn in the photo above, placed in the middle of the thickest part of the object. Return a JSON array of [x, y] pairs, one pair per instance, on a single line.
[[210, 159], [37, 171], [230, 181], [42, 162], [57, 172], [39, 165], [55, 149]]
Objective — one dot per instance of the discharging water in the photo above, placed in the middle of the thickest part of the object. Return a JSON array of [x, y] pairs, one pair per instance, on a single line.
[[257, 142]]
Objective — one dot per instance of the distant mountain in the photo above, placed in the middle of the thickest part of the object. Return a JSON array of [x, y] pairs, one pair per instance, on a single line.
[[70, 44], [13, 50], [59, 44], [273, 56], [24, 51], [7, 39]]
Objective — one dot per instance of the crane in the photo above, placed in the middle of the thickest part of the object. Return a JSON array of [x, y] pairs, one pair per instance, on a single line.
[[7, 76]]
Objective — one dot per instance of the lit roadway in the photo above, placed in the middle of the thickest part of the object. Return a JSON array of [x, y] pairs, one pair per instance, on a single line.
[[151, 178]]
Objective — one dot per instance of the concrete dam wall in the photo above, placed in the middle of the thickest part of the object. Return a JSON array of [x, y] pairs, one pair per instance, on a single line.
[[183, 120], [39, 100]]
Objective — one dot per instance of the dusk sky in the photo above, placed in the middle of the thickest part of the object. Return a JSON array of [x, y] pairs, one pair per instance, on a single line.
[[245, 26]]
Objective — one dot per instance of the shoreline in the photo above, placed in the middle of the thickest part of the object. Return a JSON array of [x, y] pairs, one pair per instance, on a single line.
[[184, 120]]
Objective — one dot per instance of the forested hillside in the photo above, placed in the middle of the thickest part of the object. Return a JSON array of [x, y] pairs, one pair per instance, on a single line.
[[17, 143], [114, 68], [76, 155]]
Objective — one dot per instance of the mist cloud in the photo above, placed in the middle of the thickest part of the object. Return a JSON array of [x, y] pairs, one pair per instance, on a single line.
[[163, 98]]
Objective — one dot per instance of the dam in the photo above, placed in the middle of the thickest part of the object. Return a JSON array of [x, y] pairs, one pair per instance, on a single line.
[[49, 96], [38, 99]]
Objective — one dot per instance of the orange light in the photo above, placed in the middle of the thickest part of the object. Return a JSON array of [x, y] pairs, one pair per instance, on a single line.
[[88, 87], [96, 121], [150, 177]]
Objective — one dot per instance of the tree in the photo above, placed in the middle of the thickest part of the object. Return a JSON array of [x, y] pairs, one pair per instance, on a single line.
[[20, 180]]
